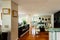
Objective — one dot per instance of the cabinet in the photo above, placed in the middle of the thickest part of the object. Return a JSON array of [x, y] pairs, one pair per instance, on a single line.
[[58, 36], [0, 37], [4, 35]]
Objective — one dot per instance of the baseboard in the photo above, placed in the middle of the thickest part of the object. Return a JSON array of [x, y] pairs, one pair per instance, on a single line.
[[24, 33]]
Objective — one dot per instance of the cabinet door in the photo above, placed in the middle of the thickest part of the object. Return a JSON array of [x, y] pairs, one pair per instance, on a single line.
[[0, 37], [52, 36], [58, 35]]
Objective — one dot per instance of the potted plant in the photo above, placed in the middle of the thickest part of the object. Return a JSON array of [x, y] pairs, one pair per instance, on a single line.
[[24, 22]]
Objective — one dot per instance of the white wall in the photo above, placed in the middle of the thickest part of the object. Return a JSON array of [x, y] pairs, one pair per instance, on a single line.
[[9, 20], [14, 22], [6, 19], [52, 20], [0, 13]]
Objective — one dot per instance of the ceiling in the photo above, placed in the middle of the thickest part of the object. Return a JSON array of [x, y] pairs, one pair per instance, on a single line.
[[39, 6]]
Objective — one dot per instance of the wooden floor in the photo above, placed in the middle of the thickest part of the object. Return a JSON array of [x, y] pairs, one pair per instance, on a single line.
[[40, 36]]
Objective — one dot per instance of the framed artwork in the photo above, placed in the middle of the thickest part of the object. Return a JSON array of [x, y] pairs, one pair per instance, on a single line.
[[45, 19], [42, 18], [6, 11], [15, 13], [49, 19]]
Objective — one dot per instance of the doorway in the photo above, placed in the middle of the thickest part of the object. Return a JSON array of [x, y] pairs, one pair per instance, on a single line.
[[37, 29]]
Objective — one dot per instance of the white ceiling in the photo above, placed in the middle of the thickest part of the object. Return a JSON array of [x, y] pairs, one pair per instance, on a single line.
[[39, 6]]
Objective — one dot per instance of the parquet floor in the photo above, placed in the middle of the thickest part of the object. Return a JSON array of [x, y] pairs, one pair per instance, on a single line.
[[40, 36]]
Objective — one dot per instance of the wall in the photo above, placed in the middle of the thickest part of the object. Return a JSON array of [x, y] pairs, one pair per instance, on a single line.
[[0, 16], [52, 20], [9, 20], [6, 19], [14, 22], [0, 13]]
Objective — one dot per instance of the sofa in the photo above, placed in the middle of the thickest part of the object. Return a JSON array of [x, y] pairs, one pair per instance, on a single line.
[[22, 29]]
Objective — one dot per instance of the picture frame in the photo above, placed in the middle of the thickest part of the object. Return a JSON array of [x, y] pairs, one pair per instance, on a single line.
[[42, 18], [45, 19], [6, 11], [49, 19], [14, 13]]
